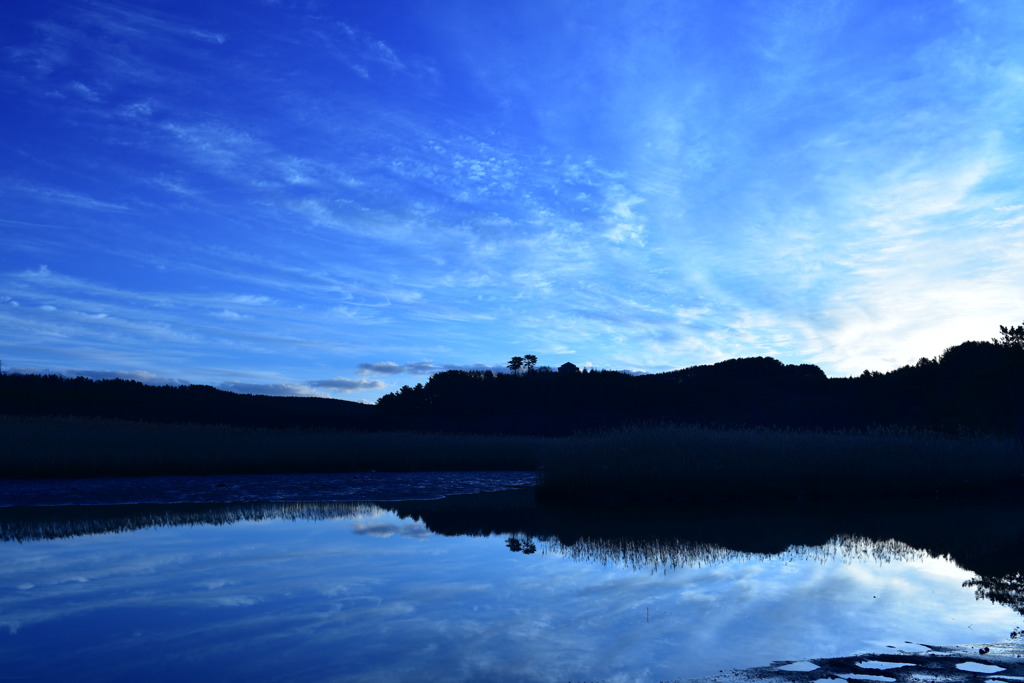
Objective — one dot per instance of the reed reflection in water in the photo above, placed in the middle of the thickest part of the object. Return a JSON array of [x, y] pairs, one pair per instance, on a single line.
[[357, 592], [665, 555]]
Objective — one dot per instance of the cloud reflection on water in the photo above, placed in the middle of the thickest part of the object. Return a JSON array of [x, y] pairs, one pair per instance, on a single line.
[[383, 530], [376, 597]]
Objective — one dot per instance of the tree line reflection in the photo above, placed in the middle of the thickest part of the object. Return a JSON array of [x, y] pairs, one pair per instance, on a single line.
[[663, 555], [1006, 590], [640, 540], [37, 523]]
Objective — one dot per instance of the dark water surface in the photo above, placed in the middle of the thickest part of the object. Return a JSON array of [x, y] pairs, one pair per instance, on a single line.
[[341, 486], [488, 586]]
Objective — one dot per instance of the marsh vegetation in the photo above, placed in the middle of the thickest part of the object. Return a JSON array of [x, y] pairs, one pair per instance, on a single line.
[[39, 447], [742, 429], [694, 463], [649, 463]]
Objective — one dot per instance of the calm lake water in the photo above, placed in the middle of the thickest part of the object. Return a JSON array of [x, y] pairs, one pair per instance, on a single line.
[[484, 587]]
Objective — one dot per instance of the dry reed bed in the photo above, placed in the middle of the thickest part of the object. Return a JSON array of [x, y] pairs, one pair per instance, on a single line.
[[689, 462], [81, 447], [657, 462]]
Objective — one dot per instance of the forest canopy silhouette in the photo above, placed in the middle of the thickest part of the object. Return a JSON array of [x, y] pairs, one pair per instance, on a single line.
[[972, 387]]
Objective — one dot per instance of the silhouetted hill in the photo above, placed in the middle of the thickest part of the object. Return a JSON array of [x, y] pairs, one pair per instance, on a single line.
[[973, 386], [131, 400]]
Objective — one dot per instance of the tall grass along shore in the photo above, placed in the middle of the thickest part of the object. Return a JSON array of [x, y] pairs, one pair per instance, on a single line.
[[654, 463], [681, 463], [42, 447]]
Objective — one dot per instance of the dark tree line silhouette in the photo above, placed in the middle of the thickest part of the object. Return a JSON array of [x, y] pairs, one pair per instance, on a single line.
[[974, 386], [127, 399], [525, 363]]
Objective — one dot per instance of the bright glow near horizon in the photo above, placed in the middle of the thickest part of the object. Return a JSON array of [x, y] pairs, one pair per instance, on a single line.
[[340, 198]]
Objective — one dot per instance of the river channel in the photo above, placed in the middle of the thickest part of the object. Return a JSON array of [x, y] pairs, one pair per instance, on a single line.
[[479, 586]]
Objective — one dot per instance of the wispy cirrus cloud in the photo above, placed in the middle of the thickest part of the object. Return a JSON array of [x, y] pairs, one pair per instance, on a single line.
[[61, 196], [131, 22], [358, 50], [796, 184]]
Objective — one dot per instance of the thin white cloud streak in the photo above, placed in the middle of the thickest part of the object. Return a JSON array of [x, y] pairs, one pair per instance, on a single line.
[[129, 22], [82, 298], [73, 199]]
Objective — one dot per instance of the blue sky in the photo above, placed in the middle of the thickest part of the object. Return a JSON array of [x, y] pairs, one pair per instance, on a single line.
[[336, 199]]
